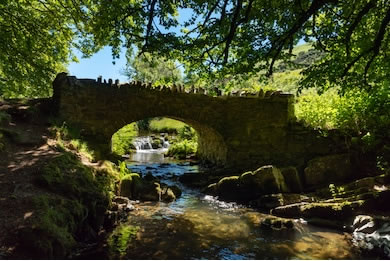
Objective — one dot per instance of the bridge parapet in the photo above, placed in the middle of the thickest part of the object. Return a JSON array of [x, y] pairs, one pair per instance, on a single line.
[[233, 130]]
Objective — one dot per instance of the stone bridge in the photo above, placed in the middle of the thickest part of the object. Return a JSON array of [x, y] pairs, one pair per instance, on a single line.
[[233, 131]]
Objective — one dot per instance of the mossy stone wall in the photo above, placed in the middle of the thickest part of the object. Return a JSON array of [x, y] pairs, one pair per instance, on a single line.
[[239, 132]]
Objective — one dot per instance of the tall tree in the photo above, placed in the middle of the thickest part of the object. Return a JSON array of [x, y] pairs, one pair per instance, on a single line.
[[149, 68], [36, 40], [240, 36]]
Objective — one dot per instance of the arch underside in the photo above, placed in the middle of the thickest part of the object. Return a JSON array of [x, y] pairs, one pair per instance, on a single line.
[[211, 145]]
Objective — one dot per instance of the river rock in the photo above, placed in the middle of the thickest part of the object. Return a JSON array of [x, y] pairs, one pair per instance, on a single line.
[[279, 199], [211, 189], [372, 234], [126, 185], [228, 188], [167, 195], [292, 179], [328, 169], [265, 180], [333, 211]]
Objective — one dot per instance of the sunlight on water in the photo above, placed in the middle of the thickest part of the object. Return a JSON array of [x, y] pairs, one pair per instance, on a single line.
[[197, 226]]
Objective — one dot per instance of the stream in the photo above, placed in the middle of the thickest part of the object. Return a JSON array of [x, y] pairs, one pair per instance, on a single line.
[[197, 226]]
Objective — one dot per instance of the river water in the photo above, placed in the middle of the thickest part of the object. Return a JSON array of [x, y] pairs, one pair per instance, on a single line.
[[197, 226]]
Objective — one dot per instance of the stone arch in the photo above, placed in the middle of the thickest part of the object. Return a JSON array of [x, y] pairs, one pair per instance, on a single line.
[[211, 145]]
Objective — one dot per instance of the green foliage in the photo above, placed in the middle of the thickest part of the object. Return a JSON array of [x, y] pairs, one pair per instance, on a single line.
[[36, 42], [185, 145], [336, 191], [356, 112], [159, 125], [71, 137], [54, 226], [149, 68], [123, 138], [65, 174], [318, 111], [182, 149], [120, 240]]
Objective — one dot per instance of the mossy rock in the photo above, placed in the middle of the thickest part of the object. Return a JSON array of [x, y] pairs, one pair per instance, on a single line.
[[53, 227], [342, 211], [67, 176], [265, 180], [156, 143], [292, 179], [167, 195], [144, 190], [211, 189], [228, 188], [127, 185], [328, 169]]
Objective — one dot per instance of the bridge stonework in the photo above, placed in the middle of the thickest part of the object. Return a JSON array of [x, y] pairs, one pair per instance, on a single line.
[[238, 132]]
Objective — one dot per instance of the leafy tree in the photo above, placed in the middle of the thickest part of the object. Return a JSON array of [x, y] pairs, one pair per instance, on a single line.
[[149, 68], [230, 37], [36, 41]]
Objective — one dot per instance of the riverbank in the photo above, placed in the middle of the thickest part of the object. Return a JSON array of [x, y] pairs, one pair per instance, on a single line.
[[52, 197], [57, 194]]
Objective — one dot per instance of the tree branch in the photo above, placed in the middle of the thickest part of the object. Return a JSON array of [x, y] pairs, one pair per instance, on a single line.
[[356, 22]]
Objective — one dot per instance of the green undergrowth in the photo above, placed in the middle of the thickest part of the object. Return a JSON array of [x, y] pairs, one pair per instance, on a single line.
[[123, 138], [120, 240], [186, 144], [70, 137], [73, 208]]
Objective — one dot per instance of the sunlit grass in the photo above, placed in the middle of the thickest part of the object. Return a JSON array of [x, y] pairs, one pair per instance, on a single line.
[[165, 125]]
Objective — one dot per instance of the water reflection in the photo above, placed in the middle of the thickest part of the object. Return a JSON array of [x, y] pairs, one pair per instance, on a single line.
[[202, 227], [149, 156]]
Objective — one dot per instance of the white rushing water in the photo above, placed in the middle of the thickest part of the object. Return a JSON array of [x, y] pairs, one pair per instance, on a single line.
[[146, 143]]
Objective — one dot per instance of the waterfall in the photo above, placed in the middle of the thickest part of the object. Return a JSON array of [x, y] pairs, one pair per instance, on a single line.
[[146, 143]]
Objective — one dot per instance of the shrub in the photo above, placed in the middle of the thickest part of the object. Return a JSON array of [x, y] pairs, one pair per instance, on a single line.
[[182, 149], [122, 140]]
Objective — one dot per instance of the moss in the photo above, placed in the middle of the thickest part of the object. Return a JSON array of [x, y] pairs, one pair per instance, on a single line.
[[123, 138], [120, 240], [127, 185], [54, 225], [67, 176], [72, 138]]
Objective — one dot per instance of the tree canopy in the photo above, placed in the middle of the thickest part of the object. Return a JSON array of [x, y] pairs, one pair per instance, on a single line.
[[244, 36], [36, 41], [215, 38], [149, 68]]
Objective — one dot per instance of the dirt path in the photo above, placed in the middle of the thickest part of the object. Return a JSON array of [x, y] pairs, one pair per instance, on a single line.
[[27, 147]]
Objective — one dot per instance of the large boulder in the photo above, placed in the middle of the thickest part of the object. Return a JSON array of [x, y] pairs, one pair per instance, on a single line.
[[292, 179], [265, 180], [228, 188], [126, 187], [250, 185], [328, 169]]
